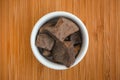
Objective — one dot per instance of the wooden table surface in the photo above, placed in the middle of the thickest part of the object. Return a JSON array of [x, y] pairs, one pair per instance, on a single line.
[[102, 19]]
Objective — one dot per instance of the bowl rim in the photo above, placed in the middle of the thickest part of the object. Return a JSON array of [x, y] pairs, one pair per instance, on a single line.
[[44, 19]]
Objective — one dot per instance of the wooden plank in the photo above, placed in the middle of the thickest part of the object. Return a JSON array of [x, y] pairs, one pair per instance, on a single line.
[[102, 19]]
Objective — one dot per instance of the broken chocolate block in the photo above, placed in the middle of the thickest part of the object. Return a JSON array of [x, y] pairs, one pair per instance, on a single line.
[[63, 28], [49, 26], [44, 41], [76, 38], [63, 53], [59, 51], [46, 27], [71, 53]]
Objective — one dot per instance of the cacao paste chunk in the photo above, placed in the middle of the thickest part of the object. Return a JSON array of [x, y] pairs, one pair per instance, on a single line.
[[64, 54], [44, 41], [63, 28], [76, 38]]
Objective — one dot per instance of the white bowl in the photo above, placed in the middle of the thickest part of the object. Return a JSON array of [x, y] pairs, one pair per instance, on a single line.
[[41, 21]]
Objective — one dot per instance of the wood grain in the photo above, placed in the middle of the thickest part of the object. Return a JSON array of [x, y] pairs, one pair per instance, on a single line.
[[102, 19]]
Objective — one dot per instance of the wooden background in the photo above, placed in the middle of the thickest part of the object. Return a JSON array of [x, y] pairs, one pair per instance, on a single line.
[[102, 19]]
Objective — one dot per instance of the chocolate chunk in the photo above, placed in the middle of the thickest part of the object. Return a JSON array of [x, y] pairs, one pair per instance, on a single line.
[[46, 53], [63, 28], [71, 53], [64, 54], [76, 38], [59, 51], [70, 56], [47, 27], [44, 41]]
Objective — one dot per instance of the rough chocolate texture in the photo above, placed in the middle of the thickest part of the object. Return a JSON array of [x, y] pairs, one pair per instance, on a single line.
[[71, 53], [63, 53], [75, 38], [64, 28], [44, 41], [47, 27]]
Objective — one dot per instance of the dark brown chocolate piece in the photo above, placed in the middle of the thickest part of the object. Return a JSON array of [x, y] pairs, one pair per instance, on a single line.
[[63, 28], [71, 53], [76, 38], [59, 51], [63, 53], [44, 41], [47, 27]]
